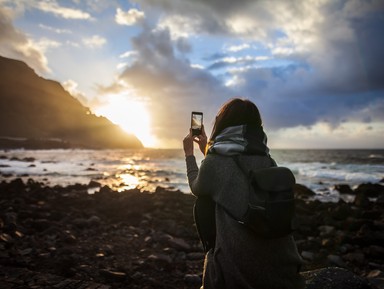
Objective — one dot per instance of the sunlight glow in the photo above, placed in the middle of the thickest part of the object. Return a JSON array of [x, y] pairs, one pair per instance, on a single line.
[[128, 182], [130, 115]]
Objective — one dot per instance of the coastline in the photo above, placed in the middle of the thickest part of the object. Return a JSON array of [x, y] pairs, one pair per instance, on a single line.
[[141, 239], [148, 168]]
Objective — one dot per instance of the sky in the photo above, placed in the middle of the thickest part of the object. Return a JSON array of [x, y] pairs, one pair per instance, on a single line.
[[314, 68]]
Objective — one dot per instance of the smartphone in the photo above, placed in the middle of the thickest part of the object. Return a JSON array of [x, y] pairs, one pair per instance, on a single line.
[[196, 122]]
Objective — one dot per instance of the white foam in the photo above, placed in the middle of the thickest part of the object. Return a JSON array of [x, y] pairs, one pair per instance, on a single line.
[[165, 168]]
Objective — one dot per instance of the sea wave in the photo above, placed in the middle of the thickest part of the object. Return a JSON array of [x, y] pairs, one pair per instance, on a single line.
[[121, 169]]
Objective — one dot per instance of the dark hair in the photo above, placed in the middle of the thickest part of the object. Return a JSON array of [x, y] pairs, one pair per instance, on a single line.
[[234, 112]]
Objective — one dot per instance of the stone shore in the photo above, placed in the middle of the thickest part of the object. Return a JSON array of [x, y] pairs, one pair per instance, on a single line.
[[63, 237]]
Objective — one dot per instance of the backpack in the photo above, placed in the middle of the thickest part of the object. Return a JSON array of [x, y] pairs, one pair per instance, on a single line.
[[271, 203]]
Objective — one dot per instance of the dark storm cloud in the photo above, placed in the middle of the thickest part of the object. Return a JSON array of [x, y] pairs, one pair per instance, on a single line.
[[332, 51], [289, 100], [340, 79], [370, 44], [172, 85], [351, 65]]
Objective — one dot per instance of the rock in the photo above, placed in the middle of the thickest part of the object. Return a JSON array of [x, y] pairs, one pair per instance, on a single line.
[[355, 258], [341, 211], [376, 277], [155, 243], [326, 230], [375, 252], [65, 265], [26, 251], [328, 242], [12, 277], [180, 257], [161, 258], [137, 275], [17, 184], [380, 200], [192, 279], [179, 244], [40, 224], [104, 190], [336, 260], [113, 275], [371, 214], [94, 221], [308, 255], [367, 235], [302, 191], [6, 238], [195, 256], [334, 278], [68, 237], [375, 274], [370, 190], [94, 184], [80, 223], [361, 200], [344, 189], [108, 250]]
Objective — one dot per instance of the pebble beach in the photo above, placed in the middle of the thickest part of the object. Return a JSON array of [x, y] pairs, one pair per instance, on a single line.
[[64, 237]]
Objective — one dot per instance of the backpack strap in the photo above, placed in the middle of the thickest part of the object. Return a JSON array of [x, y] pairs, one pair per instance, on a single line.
[[204, 215]]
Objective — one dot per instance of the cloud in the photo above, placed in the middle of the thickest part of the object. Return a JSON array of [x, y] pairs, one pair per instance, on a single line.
[[60, 11], [128, 54], [236, 48], [164, 78], [303, 62], [56, 30], [131, 17], [353, 135], [243, 17], [44, 44], [15, 44], [320, 57], [292, 96], [215, 56], [72, 87], [95, 41], [319, 33], [237, 61]]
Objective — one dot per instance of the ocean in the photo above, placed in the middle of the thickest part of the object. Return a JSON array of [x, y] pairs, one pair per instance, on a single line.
[[320, 170]]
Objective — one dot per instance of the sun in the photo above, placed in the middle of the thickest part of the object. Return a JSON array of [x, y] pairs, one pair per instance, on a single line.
[[131, 115]]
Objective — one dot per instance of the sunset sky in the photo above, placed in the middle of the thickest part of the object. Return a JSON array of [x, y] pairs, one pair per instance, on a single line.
[[314, 68]]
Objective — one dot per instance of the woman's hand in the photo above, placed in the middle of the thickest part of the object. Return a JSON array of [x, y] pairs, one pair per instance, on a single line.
[[201, 140], [188, 144]]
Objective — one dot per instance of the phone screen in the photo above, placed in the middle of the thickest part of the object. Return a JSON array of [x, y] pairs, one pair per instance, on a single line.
[[196, 122]]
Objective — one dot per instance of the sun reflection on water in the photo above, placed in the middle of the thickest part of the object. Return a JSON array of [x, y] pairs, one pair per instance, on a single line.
[[128, 181]]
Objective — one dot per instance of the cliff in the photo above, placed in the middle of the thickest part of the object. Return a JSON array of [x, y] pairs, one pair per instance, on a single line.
[[39, 111]]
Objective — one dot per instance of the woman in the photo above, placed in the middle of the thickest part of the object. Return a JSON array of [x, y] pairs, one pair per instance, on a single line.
[[236, 258]]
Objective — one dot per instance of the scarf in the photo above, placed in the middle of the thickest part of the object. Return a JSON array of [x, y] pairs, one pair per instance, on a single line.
[[240, 139]]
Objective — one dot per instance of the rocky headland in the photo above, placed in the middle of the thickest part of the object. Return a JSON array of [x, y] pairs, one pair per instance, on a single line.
[[38, 113], [64, 237]]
